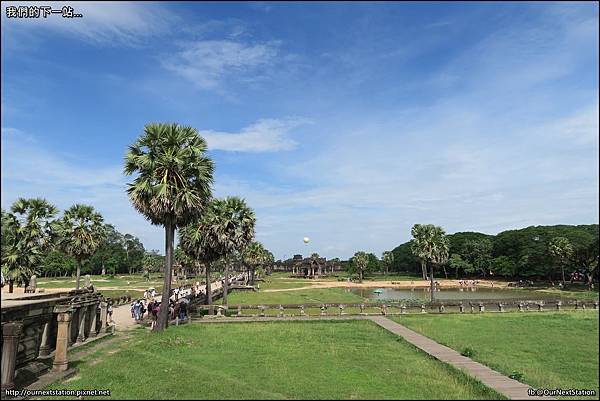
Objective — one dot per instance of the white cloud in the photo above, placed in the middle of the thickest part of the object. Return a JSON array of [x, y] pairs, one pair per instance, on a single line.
[[207, 63], [102, 22], [266, 135]]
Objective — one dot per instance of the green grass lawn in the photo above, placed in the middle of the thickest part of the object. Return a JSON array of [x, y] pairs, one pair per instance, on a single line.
[[551, 349], [576, 293], [320, 295], [273, 360]]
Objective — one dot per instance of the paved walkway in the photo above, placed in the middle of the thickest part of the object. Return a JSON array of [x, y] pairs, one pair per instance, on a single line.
[[512, 389], [122, 314]]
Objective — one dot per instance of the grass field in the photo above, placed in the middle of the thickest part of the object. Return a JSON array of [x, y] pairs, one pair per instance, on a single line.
[[320, 295], [277, 360], [550, 349]]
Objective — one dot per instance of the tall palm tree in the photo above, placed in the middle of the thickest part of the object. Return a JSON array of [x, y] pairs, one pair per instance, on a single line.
[[229, 228], [269, 260], [194, 243], [418, 231], [82, 232], [388, 260], [431, 245], [28, 231], [254, 256], [360, 261], [562, 251], [172, 186]]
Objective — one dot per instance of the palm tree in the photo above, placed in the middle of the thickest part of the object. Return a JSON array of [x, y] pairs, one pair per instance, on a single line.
[[417, 230], [194, 242], [27, 234], [360, 261], [388, 260], [254, 256], [430, 244], [229, 228], [269, 261], [82, 233], [562, 251], [172, 187]]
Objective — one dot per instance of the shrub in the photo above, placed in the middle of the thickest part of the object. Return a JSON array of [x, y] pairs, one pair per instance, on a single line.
[[468, 352], [516, 375]]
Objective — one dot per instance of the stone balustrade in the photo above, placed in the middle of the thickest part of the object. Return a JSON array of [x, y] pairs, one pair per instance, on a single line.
[[44, 325], [401, 308]]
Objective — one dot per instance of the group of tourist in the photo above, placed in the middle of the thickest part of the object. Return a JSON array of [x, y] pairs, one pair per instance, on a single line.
[[468, 283], [143, 308]]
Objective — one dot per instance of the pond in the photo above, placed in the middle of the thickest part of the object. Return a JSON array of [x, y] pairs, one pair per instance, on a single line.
[[446, 294]]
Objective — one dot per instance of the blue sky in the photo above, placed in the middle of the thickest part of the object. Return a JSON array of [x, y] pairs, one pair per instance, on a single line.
[[344, 122]]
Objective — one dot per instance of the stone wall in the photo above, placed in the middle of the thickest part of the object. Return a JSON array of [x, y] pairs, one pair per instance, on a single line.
[[31, 327]]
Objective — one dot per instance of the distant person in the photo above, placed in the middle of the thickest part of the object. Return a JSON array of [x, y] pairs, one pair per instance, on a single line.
[[182, 311], [155, 312]]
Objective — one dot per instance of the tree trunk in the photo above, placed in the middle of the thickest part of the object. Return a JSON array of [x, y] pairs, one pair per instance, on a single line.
[[11, 284], [78, 274], [424, 269], [562, 273], [432, 284], [361, 275], [208, 290], [226, 282], [163, 316], [445, 274]]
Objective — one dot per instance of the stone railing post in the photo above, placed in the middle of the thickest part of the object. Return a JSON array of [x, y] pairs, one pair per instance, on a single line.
[[441, 308], [527, 307], [82, 319], [595, 305], [10, 343], [423, 308], [540, 306], [520, 306], [403, 309], [362, 309], [262, 311], [323, 310], [62, 339], [239, 310], [302, 310], [461, 308], [500, 307], [93, 315], [472, 307], [45, 344], [481, 307], [558, 305], [281, 310], [103, 316], [341, 309], [384, 309]]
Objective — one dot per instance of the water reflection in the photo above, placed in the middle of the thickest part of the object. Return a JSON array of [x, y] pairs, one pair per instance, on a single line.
[[443, 294]]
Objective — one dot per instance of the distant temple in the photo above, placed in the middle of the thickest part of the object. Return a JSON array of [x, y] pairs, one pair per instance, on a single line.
[[310, 267]]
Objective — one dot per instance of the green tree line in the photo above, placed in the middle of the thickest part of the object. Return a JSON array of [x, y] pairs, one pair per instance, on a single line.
[[545, 252]]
